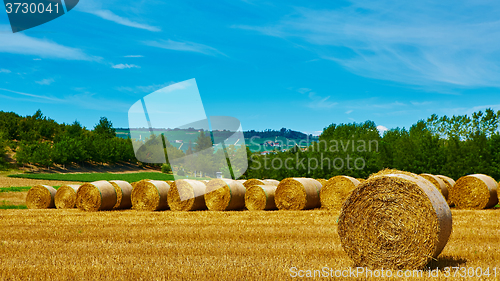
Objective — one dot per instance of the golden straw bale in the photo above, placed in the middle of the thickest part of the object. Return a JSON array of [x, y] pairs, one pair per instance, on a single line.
[[449, 182], [252, 182], [150, 195], [225, 195], [96, 196], [476, 191], [360, 180], [336, 191], [438, 183], [65, 197], [394, 221], [298, 194], [260, 197], [41, 197], [323, 182], [187, 195], [123, 194]]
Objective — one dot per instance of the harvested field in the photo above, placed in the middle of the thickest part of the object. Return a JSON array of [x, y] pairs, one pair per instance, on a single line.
[[261, 245]]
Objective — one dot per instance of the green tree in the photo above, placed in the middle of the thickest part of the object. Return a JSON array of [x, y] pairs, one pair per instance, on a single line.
[[105, 128]]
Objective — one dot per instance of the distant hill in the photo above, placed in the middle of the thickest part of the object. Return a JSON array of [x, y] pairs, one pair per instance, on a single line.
[[255, 140]]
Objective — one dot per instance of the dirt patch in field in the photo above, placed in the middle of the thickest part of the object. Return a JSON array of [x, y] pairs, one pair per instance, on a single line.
[[9, 182], [13, 198]]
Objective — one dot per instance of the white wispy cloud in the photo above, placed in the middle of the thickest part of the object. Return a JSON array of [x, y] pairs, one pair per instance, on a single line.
[[134, 56], [316, 101], [184, 46], [37, 59], [349, 111], [19, 43], [36, 97], [413, 42], [144, 89], [45, 81], [109, 15], [124, 66], [2, 70], [382, 129]]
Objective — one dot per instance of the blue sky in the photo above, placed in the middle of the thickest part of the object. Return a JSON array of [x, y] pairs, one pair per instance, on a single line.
[[271, 64]]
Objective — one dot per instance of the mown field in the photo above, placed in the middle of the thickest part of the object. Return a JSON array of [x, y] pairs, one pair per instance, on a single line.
[[90, 177], [205, 245]]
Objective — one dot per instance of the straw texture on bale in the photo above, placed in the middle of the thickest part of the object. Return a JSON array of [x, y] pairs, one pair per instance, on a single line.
[[41, 197], [360, 180], [336, 191], [187, 195], [476, 191], [96, 196], [323, 182], [438, 183], [225, 195], [449, 182], [260, 197], [298, 194], [251, 182], [150, 195], [394, 221], [123, 194], [66, 197]]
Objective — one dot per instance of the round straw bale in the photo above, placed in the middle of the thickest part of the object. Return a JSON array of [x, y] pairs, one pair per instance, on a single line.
[[41, 197], [360, 180], [297, 194], [187, 195], [336, 191], [169, 182], [438, 183], [252, 182], [123, 194], [449, 182], [66, 197], [394, 221], [96, 196], [150, 195], [476, 191], [323, 182], [225, 195], [260, 197]]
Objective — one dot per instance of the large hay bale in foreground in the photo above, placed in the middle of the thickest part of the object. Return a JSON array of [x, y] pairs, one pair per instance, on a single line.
[[96, 196], [187, 195], [41, 197], [252, 182], [476, 191], [298, 194], [449, 182], [394, 221], [260, 197], [323, 182], [123, 194], [225, 195], [150, 195], [66, 196], [438, 183], [336, 191]]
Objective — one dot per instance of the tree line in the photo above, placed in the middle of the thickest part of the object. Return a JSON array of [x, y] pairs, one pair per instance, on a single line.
[[453, 146]]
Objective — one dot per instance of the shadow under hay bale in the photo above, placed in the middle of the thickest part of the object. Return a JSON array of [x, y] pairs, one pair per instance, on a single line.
[[298, 194], [96, 196], [150, 195], [260, 197], [66, 197], [336, 191], [476, 191], [187, 195], [394, 221], [41, 197], [123, 194], [225, 195]]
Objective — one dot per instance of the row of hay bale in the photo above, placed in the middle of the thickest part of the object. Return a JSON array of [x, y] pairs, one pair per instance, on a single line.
[[470, 192]]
